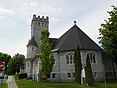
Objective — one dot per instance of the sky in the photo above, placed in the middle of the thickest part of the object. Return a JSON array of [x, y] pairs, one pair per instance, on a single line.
[[16, 15]]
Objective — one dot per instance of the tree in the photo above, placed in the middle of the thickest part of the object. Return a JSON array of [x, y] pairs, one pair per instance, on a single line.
[[47, 60], [78, 65], [108, 36], [11, 67], [18, 59], [5, 57], [88, 72]]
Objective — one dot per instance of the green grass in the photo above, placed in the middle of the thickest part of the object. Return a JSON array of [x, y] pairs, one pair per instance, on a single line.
[[112, 84], [4, 85], [32, 84]]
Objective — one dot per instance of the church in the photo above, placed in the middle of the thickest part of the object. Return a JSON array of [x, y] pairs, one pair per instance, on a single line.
[[63, 51]]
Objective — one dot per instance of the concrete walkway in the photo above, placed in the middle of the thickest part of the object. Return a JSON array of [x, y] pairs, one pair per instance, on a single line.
[[11, 82]]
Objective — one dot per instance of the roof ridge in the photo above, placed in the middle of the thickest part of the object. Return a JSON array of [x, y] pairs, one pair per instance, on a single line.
[[69, 30], [78, 36], [89, 38], [67, 35]]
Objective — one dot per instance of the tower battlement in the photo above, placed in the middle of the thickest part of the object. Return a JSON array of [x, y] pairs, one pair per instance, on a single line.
[[38, 18]]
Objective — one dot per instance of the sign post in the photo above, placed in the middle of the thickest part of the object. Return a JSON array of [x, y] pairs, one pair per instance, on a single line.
[[2, 67]]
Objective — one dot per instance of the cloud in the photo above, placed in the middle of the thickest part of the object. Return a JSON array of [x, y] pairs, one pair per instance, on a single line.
[[4, 10], [91, 22]]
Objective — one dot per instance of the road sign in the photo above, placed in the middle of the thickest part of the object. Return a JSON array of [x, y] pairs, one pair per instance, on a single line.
[[2, 65]]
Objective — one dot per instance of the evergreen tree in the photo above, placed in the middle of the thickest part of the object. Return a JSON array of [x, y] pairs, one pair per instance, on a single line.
[[78, 65], [88, 72], [47, 60]]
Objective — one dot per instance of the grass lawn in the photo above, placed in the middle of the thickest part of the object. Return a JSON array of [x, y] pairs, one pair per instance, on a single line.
[[4, 85], [32, 84]]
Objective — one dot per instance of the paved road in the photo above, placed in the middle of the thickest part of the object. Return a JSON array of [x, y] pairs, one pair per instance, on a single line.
[[11, 82]]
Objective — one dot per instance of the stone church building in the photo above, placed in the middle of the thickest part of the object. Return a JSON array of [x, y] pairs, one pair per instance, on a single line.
[[63, 51]]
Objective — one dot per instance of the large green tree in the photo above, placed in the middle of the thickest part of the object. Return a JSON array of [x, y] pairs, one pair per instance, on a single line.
[[88, 72], [11, 67], [78, 65], [15, 63], [47, 59], [5, 57], [19, 60], [108, 35]]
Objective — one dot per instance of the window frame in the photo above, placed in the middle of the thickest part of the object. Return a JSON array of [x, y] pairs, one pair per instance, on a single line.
[[92, 57]]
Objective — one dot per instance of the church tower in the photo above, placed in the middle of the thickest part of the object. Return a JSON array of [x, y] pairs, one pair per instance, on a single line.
[[37, 24]]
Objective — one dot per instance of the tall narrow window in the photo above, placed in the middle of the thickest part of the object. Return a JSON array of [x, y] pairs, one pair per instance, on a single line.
[[69, 59], [38, 23], [42, 24], [92, 57]]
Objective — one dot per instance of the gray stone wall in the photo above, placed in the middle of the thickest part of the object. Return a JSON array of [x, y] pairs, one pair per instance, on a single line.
[[31, 51], [28, 64], [37, 24], [62, 69]]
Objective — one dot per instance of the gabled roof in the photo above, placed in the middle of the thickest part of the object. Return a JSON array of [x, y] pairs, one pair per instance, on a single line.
[[73, 37], [32, 42]]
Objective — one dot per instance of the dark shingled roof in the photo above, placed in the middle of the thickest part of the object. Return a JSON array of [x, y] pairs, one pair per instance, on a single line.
[[32, 42], [53, 41], [73, 37]]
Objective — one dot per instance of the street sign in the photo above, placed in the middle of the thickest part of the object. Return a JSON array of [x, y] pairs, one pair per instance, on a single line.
[[2, 65]]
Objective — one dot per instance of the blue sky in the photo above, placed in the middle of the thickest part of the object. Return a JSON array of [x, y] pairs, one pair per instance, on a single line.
[[16, 15]]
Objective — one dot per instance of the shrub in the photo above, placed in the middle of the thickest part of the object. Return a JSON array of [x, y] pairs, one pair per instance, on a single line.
[[22, 76]]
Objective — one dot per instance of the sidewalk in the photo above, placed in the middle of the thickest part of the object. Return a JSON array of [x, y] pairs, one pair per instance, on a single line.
[[11, 82]]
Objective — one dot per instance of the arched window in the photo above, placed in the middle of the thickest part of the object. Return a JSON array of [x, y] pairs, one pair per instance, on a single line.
[[38, 23], [92, 58], [42, 24], [69, 59]]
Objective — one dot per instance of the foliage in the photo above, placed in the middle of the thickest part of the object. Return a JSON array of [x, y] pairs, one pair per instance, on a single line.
[[15, 63], [5, 57], [108, 35], [22, 76], [47, 60], [19, 59], [4, 85], [11, 67], [78, 65], [88, 72]]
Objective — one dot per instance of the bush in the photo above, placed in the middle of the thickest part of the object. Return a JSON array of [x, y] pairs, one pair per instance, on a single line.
[[22, 76]]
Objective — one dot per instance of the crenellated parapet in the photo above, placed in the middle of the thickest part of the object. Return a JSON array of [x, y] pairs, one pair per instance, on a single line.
[[38, 18]]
